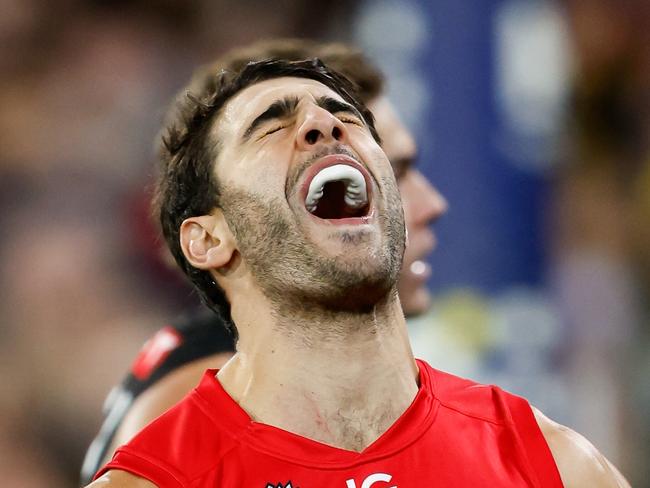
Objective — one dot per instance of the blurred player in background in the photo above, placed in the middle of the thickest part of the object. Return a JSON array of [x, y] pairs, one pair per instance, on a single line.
[[173, 361]]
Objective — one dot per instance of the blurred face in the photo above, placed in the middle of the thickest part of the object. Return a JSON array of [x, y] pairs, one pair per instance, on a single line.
[[423, 205], [309, 195]]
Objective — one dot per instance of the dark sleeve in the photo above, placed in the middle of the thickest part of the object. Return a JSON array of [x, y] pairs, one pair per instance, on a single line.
[[192, 337]]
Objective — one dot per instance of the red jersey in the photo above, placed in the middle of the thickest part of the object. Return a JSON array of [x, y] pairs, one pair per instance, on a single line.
[[455, 433]]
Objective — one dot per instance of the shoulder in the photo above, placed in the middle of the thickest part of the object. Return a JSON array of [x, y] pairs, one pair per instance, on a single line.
[[198, 419], [120, 479], [166, 368], [469, 398], [580, 464], [187, 441], [163, 395]]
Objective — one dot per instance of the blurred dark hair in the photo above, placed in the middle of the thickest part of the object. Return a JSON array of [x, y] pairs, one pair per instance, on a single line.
[[345, 59], [186, 185]]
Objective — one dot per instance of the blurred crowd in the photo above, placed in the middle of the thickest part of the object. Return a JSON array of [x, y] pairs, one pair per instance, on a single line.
[[83, 86], [600, 223]]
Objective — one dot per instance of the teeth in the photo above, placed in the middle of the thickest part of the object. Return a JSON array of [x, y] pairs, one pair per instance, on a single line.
[[356, 195]]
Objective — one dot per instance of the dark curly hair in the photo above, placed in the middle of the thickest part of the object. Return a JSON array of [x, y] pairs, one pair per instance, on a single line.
[[186, 185]]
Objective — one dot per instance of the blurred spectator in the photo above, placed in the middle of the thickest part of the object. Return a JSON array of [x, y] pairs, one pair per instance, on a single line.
[[84, 84]]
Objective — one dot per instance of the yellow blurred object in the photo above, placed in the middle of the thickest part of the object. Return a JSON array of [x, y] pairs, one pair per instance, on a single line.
[[465, 315]]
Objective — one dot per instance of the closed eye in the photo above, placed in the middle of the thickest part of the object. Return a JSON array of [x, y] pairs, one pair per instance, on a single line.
[[275, 129], [348, 120]]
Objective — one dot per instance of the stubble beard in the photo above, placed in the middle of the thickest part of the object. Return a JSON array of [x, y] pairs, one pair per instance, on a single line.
[[295, 276]]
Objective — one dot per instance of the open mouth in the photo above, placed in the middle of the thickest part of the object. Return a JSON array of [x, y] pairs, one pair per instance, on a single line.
[[338, 192]]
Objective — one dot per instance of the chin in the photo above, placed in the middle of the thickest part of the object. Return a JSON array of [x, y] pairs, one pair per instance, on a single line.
[[358, 286]]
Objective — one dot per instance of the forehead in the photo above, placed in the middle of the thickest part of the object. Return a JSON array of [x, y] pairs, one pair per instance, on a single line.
[[253, 100]]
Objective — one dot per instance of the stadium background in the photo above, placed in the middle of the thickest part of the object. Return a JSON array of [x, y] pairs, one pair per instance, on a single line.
[[533, 119]]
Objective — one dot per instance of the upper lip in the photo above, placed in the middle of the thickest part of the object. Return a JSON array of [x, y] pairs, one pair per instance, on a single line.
[[428, 244], [331, 160], [422, 240]]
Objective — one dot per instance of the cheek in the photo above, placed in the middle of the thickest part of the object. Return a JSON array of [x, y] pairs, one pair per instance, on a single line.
[[264, 174], [381, 165]]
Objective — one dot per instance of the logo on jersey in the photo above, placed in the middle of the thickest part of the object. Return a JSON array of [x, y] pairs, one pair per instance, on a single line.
[[280, 485], [370, 481], [155, 351]]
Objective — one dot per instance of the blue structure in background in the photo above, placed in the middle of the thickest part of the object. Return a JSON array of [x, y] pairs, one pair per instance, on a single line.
[[482, 85], [448, 53], [492, 236]]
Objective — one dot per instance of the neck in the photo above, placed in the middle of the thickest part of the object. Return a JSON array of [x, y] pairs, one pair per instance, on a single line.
[[340, 378]]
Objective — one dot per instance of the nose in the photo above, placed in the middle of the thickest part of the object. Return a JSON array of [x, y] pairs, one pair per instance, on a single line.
[[431, 204], [439, 203], [319, 126]]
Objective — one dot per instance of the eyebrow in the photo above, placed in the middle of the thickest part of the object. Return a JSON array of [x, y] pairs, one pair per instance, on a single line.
[[334, 106], [280, 109], [285, 107]]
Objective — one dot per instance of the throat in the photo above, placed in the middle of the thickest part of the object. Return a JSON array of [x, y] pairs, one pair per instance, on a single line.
[[346, 404], [353, 428], [335, 377], [349, 418]]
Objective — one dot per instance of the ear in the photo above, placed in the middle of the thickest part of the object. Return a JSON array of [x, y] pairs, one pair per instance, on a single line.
[[206, 241]]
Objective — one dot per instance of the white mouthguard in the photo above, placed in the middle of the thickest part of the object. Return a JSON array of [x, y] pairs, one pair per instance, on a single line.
[[356, 195]]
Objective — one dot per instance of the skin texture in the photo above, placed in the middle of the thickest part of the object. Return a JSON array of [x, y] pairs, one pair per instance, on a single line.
[[383, 373]]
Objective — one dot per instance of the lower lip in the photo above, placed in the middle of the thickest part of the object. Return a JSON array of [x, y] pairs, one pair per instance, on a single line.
[[366, 219]]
